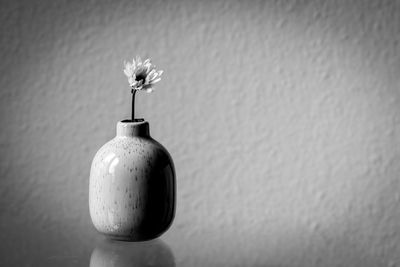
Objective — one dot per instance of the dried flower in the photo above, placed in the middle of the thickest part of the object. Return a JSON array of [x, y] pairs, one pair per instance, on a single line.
[[142, 75]]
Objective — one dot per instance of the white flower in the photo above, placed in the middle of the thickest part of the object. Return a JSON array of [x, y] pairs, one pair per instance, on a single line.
[[142, 75]]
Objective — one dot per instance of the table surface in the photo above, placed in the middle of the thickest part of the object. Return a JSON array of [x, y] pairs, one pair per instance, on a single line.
[[79, 247], [75, 242], [76, 245]]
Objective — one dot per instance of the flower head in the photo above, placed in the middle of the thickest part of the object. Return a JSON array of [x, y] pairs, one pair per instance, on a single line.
[[142, 75]]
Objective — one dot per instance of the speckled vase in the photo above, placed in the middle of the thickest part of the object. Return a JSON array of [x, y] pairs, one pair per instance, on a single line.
[[132, 185]]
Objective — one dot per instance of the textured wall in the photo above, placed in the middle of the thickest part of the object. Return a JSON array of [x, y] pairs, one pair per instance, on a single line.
[[283, 119]]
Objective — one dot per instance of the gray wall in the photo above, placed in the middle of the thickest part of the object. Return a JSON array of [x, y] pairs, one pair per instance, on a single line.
[[282, 117]]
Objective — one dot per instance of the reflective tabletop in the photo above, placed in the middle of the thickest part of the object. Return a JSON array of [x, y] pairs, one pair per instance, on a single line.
[[77, 243], [70, 246]]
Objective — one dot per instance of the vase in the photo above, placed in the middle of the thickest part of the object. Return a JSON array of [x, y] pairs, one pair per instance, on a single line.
[[132, 185]]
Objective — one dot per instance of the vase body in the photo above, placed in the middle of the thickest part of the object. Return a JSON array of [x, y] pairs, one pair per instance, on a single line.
[[132, 185]]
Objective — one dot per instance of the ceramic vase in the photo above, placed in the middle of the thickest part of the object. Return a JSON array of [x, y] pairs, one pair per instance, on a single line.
[[132, 185]]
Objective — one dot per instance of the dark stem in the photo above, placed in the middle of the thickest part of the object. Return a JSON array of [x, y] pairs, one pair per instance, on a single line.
[[133, 105]]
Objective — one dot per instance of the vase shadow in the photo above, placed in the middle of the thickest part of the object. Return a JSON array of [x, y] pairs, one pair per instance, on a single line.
[[122, 254]]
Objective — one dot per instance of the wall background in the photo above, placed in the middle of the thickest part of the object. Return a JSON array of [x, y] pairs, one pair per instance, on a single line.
[[283, 119]]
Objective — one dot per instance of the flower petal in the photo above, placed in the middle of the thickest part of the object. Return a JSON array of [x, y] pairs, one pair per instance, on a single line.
[[132, 80], [147, 62], [156, 80], [127, 72], [152, 74], [138, 61]]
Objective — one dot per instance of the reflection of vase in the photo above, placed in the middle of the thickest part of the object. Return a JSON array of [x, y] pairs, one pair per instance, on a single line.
[[132, 185], [119, 254]]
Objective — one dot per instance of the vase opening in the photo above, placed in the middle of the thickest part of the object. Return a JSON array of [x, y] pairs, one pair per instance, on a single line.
[[135, 120], [137, 127]]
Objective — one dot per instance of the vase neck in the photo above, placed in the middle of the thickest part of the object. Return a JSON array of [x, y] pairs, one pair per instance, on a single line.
[[131, 129]]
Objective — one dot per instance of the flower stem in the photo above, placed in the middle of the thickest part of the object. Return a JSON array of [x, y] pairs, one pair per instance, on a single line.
[[133, 105]]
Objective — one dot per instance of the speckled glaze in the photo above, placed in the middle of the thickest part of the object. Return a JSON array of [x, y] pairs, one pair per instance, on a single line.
[[132, 185]]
